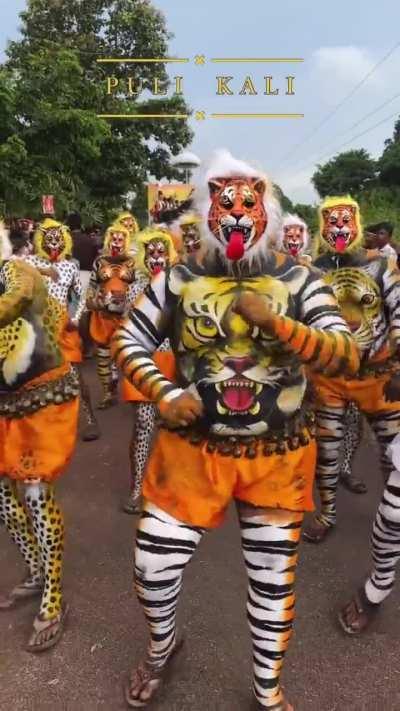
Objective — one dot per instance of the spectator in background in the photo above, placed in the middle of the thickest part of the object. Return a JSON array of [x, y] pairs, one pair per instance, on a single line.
[[379, 237], [85, 252]]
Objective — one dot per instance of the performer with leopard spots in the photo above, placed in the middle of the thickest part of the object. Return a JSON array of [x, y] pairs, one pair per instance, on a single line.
[[38, 425], [52, 244]]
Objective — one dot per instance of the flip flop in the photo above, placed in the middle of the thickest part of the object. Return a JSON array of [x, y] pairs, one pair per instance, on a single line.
[[365, 610], [22, 592], [45, 625], [147, 673]]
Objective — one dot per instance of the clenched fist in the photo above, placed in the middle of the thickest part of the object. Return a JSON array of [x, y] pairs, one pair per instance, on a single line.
[[254, 308], [181, 411]]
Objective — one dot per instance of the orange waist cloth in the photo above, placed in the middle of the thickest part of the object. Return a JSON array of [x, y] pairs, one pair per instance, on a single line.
[[71, 346], [39, 446], [102, 327], [370, 394], [196, 486], [165, 362]]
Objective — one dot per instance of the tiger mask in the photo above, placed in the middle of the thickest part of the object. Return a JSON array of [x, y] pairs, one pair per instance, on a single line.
[[52, 241], [237, 216], [340, 226], [241, 373]]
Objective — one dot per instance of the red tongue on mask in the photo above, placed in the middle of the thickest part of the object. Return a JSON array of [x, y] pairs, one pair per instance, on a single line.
[[235, 248], [157, 270], [340, 244], [238, 399], [293, 251], [53, 255]]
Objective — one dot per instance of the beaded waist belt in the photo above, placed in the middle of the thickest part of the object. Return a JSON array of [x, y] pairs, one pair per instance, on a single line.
[[297, 433], [28, 400]]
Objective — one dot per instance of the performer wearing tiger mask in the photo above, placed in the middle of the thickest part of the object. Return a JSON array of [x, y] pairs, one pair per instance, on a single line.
[[52, 243], [367, 287], [294, 238], [236, 425], [38, 426], [155, 252], [107, 298]]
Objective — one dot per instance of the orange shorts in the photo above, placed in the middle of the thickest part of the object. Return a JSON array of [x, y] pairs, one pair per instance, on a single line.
[[196, 486], [368, 393], [102, 328], [39, 446], [165, 362], [71, 346]]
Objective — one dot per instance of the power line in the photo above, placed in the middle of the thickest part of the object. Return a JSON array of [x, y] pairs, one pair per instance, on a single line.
[[354, 138], [354, 125], [334, 111]]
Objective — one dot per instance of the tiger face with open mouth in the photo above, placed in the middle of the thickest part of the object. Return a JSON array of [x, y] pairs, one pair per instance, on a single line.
[[340, 225], [237, 216], [242, 374]]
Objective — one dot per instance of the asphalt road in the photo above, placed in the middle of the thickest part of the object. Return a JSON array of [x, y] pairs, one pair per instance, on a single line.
[[324, 670]]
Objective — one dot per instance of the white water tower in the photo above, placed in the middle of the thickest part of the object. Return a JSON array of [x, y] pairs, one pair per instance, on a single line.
[[186, 161]]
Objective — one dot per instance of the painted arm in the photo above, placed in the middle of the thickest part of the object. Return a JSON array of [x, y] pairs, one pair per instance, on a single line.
[[141, 333], [77, 289], [321, 339], [91, 294], [391, 297], [19, 284]]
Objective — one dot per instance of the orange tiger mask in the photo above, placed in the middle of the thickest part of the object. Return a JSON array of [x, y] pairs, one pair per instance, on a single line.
[[237, 217]]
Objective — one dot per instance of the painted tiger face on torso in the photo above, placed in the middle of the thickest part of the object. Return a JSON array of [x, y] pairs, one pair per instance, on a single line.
[[237, 217], [360, 303], [29, 343], [244, 376], [114, 276]]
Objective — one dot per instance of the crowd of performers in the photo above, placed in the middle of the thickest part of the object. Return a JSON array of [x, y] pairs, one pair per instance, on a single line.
[[250, 354]]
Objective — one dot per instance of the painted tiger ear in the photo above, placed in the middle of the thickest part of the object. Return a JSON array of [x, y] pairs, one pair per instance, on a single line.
[[179, 276], [259, 185], [326, 212], [295, 279], [214, 186]]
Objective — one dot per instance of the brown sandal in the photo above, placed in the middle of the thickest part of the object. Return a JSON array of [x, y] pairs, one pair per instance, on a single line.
[[43, 628], [148, 678], [316, 532], [358, 614], [26, 590]]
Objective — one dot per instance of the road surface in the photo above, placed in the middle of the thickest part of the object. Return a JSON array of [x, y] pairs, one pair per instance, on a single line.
[[324, 670]]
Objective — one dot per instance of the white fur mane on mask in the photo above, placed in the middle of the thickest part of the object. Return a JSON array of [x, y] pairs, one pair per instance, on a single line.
[[292, 220], [5, 244], [224, 165]]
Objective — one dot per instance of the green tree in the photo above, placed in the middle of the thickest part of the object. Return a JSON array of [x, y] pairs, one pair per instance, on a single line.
[[389, 163], [350, 172], [58, 90], [382, 204], [286, 203]]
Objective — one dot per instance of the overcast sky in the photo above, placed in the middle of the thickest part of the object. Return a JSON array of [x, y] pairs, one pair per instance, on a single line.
[[340, 43]]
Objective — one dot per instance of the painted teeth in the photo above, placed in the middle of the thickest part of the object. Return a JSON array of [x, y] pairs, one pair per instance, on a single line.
[[255, 409], [218, 388], [259, 388], [221, 409]]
